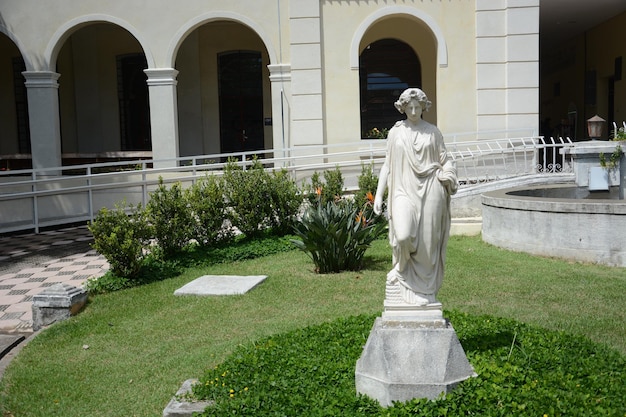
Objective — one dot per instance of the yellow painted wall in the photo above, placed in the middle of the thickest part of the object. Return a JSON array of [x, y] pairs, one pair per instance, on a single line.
[[452, 90]]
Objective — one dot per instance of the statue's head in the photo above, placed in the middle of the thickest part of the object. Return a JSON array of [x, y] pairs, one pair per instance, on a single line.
[[412, 94]]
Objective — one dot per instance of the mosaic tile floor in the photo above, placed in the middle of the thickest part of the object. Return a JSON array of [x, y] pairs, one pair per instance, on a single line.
[[30, 263]]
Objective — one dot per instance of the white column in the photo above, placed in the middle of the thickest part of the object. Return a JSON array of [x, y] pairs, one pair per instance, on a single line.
[[43, 112], [307, 127], [163, 115], [280, 78], [507, 64]]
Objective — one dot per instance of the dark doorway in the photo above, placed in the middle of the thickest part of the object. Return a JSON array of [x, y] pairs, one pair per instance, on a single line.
[[386, 68], [21, 105], [133, 102], [241, 101]]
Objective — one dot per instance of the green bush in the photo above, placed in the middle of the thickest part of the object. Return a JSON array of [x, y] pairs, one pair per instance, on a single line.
[[522, 371], [209, 211], [329, 190], [368, 182], [336, 235], [333, 189], [171, 218], [247, 193], [121, 238], [260, 200], [286, 200]]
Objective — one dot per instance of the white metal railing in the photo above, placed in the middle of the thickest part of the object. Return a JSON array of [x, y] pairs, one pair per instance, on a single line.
[[492, 160], [32, 199]]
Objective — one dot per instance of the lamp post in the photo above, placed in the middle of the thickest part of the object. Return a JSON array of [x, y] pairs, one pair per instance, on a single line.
[[595, 126]]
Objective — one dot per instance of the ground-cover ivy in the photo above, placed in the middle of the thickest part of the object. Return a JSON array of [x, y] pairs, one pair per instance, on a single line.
[[522, 370]]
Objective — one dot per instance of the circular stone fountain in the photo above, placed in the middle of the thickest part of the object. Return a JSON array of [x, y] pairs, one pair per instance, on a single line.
[[566, 220]]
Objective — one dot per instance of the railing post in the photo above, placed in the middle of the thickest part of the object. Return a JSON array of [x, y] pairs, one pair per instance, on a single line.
[[90, 193], [144, 185], [35, 203]]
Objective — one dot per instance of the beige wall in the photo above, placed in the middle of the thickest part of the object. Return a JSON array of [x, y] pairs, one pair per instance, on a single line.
[[323, 85], [451, 88]]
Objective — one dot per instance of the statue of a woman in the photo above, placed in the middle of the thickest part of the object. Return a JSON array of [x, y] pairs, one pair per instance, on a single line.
[[420, 178]]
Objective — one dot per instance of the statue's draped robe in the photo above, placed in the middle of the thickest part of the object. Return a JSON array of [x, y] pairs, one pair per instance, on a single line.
[[420, 181]]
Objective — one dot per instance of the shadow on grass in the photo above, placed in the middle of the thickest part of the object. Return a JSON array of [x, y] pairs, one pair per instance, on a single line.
[[487, 341]]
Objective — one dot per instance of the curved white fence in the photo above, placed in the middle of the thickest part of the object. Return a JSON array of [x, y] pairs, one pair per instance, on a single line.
[[33, 199]]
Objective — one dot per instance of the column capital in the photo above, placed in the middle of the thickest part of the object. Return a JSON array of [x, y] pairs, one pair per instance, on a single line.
[[280, 72], [161, 76], [41, 79]]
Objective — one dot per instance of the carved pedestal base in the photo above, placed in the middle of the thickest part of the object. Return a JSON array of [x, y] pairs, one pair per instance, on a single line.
[[405, 359]]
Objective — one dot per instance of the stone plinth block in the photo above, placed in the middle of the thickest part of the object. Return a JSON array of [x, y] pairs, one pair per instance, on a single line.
[[56, 303], [403, 360]]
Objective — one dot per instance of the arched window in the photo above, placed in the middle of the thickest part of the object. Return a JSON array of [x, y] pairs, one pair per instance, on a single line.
[[386, 68]]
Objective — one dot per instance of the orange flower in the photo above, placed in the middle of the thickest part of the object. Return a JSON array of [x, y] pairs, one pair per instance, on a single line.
[[318, 191], [360, 218], [370, 197]]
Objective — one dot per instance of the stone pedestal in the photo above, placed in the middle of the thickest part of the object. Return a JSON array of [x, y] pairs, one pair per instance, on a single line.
[[411, 356], [57, 303]]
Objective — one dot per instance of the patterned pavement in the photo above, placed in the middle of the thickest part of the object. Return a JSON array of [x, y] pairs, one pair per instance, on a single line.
[[31, 262]]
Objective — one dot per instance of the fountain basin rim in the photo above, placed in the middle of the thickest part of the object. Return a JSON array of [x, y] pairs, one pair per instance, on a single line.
[[505, 199]]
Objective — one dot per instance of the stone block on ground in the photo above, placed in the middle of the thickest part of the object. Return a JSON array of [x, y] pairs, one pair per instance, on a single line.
[[221, 285], [57, 303]]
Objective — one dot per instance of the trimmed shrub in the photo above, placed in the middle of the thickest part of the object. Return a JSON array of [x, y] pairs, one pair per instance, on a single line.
[[247, 192], [333, 189], [171, 218], [368, 182], [209, 211], [260, 200], [327, 191], [286, 200], [121, 238]]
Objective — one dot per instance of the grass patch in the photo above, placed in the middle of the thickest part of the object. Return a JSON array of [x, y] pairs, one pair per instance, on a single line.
[[144, 342]]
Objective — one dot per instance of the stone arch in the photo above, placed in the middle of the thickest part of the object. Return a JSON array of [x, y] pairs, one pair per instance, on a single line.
[[18, 44], [60, 36], [429, 21], [203, 19]]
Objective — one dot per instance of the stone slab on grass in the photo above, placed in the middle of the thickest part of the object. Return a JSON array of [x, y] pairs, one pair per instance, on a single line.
[[181, 407], [221, 285]]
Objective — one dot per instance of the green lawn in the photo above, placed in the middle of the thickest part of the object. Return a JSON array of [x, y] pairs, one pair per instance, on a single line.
[[128, 352]]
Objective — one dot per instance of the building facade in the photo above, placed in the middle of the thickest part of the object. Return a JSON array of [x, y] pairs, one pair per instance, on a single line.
[[202, 77]]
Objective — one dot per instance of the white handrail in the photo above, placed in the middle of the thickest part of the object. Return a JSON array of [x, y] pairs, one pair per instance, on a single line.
[[36, 198]]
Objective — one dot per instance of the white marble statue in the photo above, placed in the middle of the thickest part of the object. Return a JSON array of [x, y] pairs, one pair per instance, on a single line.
[[420, 178]]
